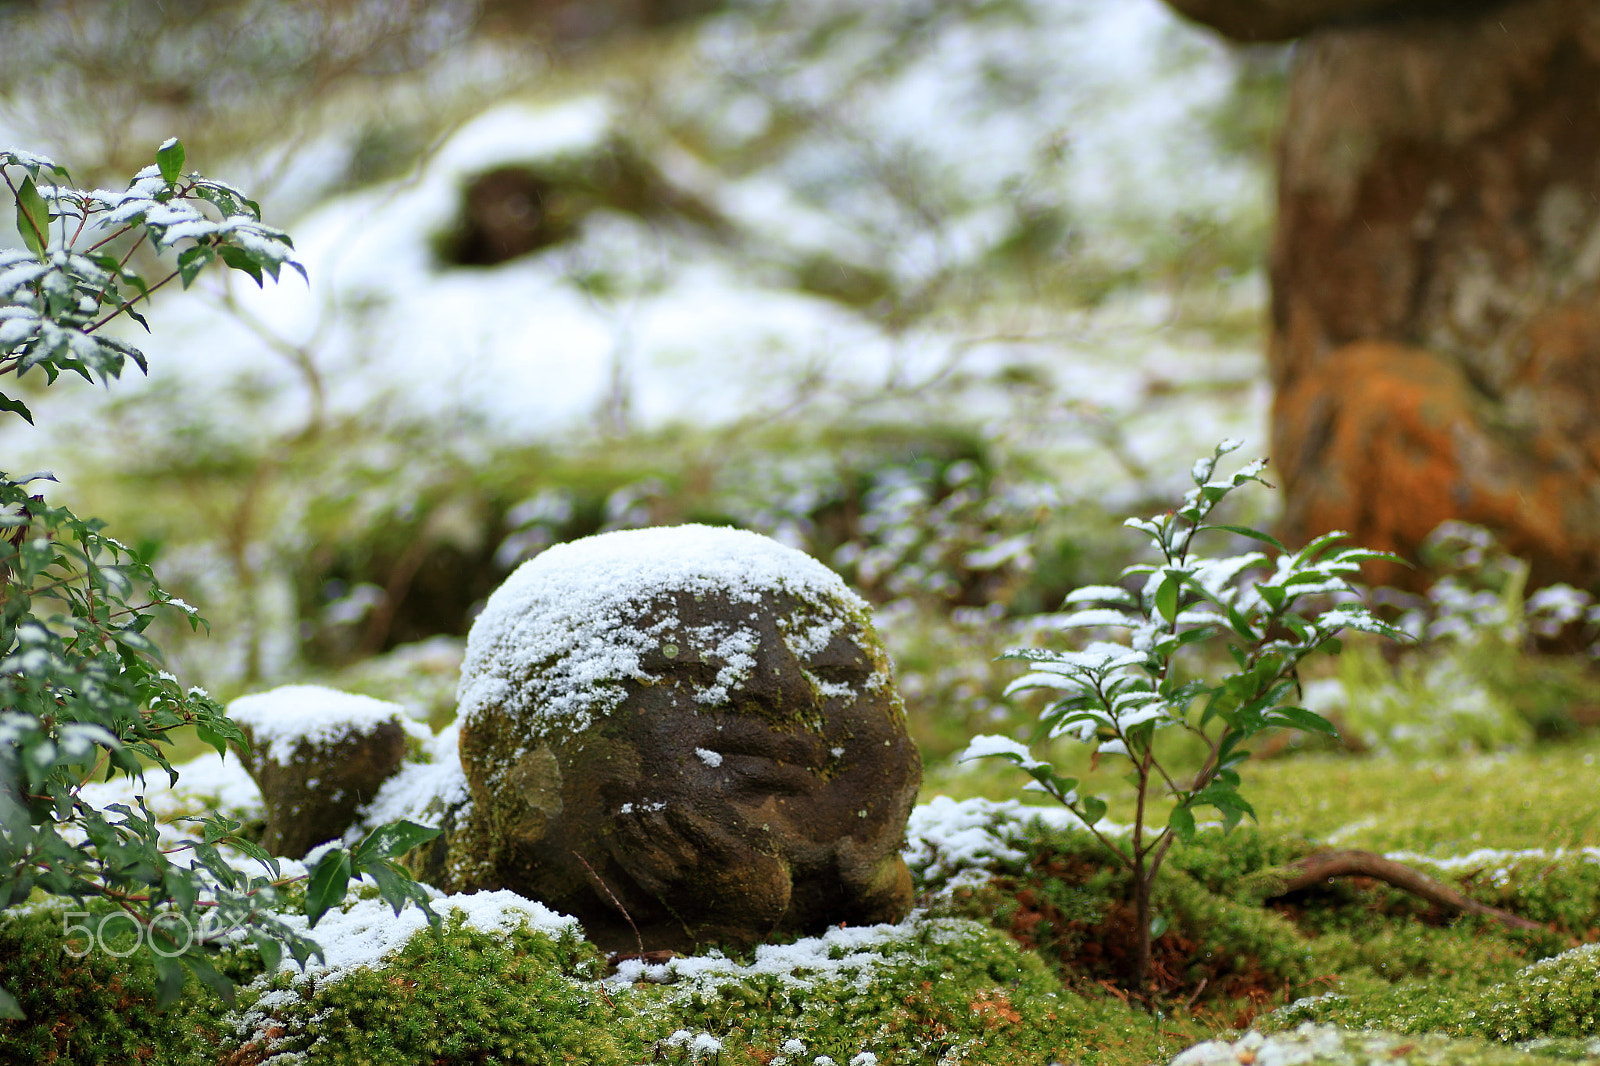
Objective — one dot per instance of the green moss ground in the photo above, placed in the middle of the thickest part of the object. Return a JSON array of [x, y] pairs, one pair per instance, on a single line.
[[1033, 979]]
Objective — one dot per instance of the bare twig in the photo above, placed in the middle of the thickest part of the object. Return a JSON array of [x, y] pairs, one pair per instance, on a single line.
[[614, 900]]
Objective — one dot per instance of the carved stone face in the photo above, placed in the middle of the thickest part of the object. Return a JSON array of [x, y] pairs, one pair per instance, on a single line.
[[753, 775]]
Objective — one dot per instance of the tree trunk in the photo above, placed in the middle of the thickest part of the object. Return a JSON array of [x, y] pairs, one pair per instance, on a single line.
[[1436, 283]]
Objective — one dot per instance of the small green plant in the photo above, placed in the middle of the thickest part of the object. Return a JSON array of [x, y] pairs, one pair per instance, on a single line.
[[82, 689], [1120, 694]]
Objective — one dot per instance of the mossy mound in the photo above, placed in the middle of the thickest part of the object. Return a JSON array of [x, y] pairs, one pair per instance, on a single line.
[[459, 995], [928, 990], [1014, 962], [1555, 1001], [87, 1006]]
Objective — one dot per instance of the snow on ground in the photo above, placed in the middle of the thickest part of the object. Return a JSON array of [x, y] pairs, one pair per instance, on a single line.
[[1099, 110], [363, 933], [950, 843]]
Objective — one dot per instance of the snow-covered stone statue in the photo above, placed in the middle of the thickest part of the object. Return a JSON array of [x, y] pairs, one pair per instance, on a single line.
[[691, 732], [318, 755]]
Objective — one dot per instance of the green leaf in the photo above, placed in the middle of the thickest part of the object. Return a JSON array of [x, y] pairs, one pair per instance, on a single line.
[[1158, 925], [33, 218], [209, 976], [1094, 808], [212, 737], [16, 407], [1253, 534], [9, 1007], [1181, 822], [390, 841], [330, 879], [1273, 594], [1167, 597], [1241, 625], [1310, 721], [256, 852], [271, 951], [136, 642], [169, 978], [170, 159], [183, 888], [239, 259], [193, 260]]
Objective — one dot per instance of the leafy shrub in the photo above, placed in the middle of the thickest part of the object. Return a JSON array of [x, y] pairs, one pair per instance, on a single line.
[[1121, 692], [82, 687]]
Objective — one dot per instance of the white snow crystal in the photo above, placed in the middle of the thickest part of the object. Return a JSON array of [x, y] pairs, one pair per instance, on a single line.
[[851, 954], [985, 745], [710, 758]]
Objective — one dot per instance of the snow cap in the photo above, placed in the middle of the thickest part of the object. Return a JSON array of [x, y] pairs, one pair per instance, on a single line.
[[279, 720], [554, 642]]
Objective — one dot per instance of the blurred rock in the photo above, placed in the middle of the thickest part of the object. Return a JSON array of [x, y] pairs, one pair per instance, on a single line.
[[510, 211], [1282, 20], [317, 755], [1437, 198], [691, 732]]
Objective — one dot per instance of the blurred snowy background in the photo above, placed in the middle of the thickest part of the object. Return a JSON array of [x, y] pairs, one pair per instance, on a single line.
[[935, 290]]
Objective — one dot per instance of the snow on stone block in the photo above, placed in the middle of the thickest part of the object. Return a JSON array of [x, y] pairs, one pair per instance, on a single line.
[[615, 688], [283, 718]]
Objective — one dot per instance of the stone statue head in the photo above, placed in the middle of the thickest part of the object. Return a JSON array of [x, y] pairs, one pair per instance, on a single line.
[[689, 731]]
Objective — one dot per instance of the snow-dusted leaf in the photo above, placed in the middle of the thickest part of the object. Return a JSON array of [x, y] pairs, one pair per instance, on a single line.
[[1112, 594], [986, 746], [1041, 679], [1093, 617], [1251, 471]]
